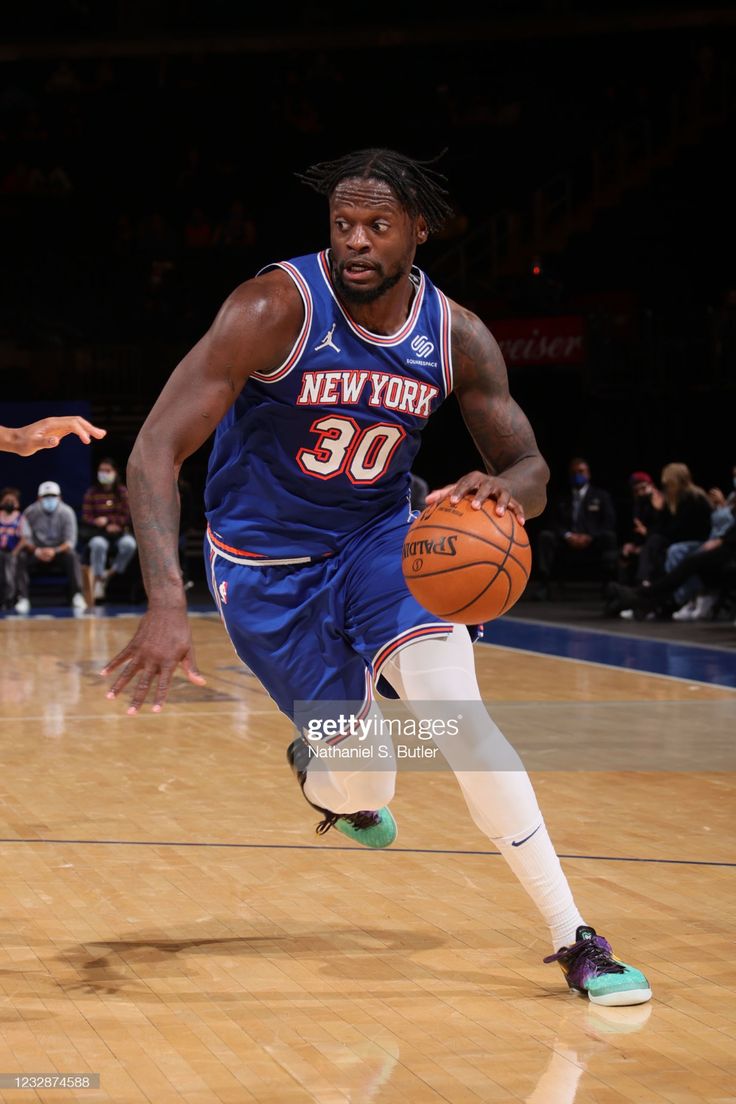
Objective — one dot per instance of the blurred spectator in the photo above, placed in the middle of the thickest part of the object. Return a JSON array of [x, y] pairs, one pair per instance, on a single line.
[[642, 516], [48, 542], [680, 524], [718, 498], [106, 526], [694, 605], [10, 538], [710, 565], [581, 530]]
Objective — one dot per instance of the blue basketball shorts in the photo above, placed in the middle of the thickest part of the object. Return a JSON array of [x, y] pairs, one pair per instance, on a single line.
[[322, 631]]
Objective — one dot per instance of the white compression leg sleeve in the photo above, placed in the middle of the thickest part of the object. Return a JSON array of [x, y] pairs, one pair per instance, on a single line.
[[501, 802], [344, 784]]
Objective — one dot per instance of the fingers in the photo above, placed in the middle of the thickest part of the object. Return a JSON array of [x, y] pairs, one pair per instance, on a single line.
[[51, 430], [481, 487], [162, 691], [123, 679], [190, 670], [438, 495], [140, 693]]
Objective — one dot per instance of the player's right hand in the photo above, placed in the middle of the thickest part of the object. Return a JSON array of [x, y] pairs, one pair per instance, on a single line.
[[162, 642]]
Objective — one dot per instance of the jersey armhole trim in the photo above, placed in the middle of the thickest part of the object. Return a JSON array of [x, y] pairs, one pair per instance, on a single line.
[[297, 348], [446, 343]]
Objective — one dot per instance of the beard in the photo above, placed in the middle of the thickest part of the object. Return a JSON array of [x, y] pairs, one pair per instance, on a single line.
[[364, 295]]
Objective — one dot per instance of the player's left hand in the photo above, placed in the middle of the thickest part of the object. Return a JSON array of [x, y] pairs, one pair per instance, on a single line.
[[49, 431], [482, 486]]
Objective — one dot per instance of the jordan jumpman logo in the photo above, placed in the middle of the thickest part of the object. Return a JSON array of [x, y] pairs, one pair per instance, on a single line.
[[327, 341]]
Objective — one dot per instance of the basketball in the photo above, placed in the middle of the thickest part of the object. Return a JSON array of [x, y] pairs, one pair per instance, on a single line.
[[466, 565]]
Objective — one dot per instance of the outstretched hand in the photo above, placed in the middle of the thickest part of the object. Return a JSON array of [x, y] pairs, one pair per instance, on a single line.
[[26, 440], [482, 486], [162, 642]]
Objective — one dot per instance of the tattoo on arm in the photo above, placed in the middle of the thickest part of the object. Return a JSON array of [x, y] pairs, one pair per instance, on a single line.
[[497, 424], [157, 534]]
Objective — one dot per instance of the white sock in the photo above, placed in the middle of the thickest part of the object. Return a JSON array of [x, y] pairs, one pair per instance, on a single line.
[[502, 801]]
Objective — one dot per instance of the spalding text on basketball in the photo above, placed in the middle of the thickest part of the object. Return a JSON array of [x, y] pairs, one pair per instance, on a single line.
[[443, 546]]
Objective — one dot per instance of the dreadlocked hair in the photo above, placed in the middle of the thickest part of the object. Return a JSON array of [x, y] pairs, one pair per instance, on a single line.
[[418, 187]]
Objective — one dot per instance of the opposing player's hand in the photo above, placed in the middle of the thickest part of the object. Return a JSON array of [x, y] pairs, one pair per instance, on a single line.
[[162, 642], [482, 486], [49, 431]]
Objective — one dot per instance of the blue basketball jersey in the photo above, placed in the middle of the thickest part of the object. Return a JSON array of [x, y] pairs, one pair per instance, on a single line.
[[322, 445]]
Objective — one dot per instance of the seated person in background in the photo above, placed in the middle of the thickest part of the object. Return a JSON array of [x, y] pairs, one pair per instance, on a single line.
[[693, 603], [48, 540], [708, 565], [582, 529], [680, 524], [719, 500], [106, 526], [642, 516], [9, 544]]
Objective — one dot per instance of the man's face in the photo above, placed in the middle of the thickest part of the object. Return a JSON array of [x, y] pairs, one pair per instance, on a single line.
[[642, 489], [579, 474], [373, 239]]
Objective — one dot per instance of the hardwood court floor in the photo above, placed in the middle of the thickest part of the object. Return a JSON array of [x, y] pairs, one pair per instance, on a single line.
[[169, 920]]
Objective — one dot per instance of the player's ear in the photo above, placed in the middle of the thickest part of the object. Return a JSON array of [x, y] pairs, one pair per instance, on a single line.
[[421, 231]]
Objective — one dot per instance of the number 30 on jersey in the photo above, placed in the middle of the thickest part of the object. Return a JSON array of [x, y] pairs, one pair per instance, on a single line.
[[342, 446]]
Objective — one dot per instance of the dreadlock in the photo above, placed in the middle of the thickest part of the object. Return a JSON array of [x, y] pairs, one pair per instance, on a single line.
[[418, 187]]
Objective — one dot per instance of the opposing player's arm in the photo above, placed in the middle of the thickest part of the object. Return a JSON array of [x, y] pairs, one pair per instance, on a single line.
[[516, 474], [254, 331]]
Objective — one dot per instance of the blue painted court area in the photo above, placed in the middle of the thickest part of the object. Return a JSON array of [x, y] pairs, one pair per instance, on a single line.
[[657, 657]]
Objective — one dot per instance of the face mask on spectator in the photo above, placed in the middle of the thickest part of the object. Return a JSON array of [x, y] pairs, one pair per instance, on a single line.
[[105, 478], [8, 506], [578, 479], [49, 503]]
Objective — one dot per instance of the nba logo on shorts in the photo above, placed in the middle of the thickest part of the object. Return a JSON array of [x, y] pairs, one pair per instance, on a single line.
[[223, 591]]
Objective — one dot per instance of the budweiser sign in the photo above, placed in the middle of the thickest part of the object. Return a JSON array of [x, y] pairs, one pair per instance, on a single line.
[[556, 340]]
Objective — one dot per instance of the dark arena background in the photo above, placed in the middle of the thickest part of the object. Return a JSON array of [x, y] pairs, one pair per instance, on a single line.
[[171, 928]]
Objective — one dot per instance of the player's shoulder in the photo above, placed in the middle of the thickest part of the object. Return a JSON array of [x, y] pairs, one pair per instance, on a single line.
[[267, 304], [472, 340]]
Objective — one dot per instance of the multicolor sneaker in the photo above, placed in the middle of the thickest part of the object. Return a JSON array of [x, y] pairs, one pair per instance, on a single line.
[[591, 968], [371, 828]]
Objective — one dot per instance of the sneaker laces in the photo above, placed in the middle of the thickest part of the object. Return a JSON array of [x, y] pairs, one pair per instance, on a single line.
[[366, 818], [590, 951]]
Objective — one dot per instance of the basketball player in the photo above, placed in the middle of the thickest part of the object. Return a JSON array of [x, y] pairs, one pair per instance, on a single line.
[[25, 440], [318, 376]]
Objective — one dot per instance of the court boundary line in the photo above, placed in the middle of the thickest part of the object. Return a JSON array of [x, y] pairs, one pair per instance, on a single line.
[[618, 635], [356, 850], [609, 666]]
